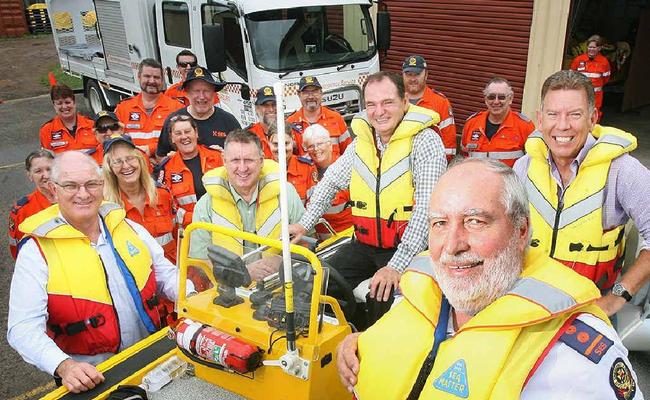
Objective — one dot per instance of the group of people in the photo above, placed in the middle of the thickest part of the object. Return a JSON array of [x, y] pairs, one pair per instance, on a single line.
[[526, 259]]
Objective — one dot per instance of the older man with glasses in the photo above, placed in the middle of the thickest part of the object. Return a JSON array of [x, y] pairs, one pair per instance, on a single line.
[[498, 132], [86, 281]]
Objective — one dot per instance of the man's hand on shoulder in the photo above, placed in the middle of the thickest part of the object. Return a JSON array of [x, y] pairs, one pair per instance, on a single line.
[[78, 376], [347, 361], [382, 282]]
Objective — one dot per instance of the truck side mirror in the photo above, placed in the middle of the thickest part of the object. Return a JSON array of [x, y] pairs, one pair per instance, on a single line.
[[213, 44], [383, 28], [245, 92]]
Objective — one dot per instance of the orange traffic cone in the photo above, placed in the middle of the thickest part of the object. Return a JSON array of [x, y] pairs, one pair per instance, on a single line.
[[52, 78]]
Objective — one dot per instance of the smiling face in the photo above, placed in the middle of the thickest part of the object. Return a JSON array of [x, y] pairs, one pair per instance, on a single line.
[[66, 108], [124, 163], [185, 138], [498, 98], [311, 98], [243, 163], [565, 121], [384, 106], [201, 95], [288, 146], [592, 50], [266, 112], [150, 80], [185, 64], [475, 248], [320, 150], [107, 127], [39, 173], [415, 82]]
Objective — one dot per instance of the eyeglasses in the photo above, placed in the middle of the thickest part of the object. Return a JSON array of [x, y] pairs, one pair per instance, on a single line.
[[494, 96], [106, 128], [185, 64], [120, 161], [73, 187], [319, 145]]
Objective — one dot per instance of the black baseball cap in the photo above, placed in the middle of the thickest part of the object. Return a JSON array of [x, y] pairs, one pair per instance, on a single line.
[[265, 94], [414, 63], [108, 143], [107, 114], [308, 81], [203, 74]]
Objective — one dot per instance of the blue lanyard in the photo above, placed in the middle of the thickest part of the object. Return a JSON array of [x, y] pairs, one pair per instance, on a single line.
[[130, 284]]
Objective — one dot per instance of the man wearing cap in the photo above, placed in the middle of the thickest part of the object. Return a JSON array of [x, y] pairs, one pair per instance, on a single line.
[[86, 281], [266, 113], [106, 125], [213, 123], [143, 115], [312, 111], [498, 132], [414, 72], [185, 61], [390, 168]]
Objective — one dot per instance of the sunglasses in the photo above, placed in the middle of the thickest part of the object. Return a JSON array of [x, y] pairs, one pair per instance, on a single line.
[[185, 64], [494, 96], [105, 128], [180, 118]]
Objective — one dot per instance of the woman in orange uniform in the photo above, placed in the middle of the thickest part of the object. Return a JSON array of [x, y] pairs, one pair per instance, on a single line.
[[127, 183], [38, 164]]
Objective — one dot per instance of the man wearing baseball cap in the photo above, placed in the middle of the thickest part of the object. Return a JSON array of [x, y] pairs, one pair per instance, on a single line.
[[266, 110], [414, 72], [213, 123], [312, 112]]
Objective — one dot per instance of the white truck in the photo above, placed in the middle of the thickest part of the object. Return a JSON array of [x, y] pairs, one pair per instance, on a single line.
[[244, 43]]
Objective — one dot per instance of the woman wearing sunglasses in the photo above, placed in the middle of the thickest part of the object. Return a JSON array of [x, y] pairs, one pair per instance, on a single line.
[[182, 171], [128, 183]]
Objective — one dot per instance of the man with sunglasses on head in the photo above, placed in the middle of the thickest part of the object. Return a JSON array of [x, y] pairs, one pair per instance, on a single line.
[[86, 281], [498, 132], [185, 61]]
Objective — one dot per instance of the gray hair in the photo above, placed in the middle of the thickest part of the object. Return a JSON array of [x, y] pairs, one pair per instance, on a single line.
[[515, 197], [58, 161], [569, 80], [313, 132], [497, 79]]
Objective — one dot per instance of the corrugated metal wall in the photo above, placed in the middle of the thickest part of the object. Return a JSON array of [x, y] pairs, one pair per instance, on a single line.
[[465, 43], [12, 18]]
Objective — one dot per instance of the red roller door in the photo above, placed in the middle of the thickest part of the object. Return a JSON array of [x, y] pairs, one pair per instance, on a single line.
[[465, 43]]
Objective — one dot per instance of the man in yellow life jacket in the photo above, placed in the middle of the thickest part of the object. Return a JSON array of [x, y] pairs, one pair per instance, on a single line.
[[243, 195], [390, 169], [482, 317], [86, 282], [583, 187]]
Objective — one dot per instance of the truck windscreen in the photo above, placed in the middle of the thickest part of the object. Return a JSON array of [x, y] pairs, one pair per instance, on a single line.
[[310, 37]]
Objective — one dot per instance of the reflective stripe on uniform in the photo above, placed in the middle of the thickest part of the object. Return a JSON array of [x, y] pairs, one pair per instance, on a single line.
[[598, 88], [48, 226], [336, 209], [592, 74], [221, 221], [164, 239], [144, 135], [421, 264], [498, 155], [366, 175], [13, 241], [543, 294], [180, 216], [270, 223], [340, 139], [447, 122], [450, 151], [215, 180], [395, 172], [185, 200]]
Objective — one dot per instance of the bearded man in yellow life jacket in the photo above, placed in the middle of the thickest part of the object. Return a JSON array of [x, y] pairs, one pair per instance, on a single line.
[[243, 195], [87, 280], [483, 317], [583, 187]]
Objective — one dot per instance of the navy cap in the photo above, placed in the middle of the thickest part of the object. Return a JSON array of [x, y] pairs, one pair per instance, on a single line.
[[108, 143], [107, 114], [265, 94], [308, 81], [414, 63], [202, 74]]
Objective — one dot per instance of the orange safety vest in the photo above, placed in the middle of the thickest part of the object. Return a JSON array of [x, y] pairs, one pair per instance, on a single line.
[[258, 130], [597, 70], [438, 102]]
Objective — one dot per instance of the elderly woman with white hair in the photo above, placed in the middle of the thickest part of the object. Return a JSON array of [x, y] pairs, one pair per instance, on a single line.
[[316, 141]]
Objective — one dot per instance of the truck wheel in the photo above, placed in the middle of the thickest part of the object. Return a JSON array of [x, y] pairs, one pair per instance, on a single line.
[[94, 97]]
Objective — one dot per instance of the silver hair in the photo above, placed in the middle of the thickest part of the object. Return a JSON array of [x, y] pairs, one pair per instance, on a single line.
[[515, 197], [497, 79], [56, 164], [314, 131]]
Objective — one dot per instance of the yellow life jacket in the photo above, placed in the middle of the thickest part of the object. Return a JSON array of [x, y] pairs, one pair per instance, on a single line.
[[81, 316], [491, 356], [570, 229], [381, 189], [225, 212]]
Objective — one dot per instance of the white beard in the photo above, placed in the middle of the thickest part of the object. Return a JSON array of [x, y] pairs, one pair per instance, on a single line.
[[493, 279]]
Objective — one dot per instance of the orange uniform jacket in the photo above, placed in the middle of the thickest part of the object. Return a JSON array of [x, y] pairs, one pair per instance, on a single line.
[[436, 101], [25, 207], [259, 131], [339, 215], [178, 178], [330, 120], [177, 93], [302, 174], [507, 144], [158, 220], [597, 70], [145, 129], [56, 137]]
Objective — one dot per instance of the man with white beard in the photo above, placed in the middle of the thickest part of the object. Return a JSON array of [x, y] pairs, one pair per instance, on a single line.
[[483, 317]]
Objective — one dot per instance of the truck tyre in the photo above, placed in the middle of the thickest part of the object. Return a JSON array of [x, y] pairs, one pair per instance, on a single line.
[[94, 97]]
